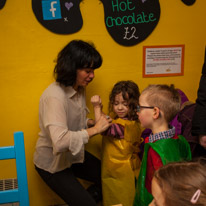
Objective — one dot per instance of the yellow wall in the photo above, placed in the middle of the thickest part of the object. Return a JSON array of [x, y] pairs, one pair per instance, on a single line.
[[28, 51]]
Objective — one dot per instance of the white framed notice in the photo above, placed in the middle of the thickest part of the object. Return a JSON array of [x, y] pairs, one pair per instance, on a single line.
[[163, 60]]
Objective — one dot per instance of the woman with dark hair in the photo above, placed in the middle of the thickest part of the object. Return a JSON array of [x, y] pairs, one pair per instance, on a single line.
[[60, 156]]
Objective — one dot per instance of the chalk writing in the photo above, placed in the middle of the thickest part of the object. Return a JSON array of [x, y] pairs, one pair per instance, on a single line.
[[122, 6], [65, 19], [131, 21], [133, 29]]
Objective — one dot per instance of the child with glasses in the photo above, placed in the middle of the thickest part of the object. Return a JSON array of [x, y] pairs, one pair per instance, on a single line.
[[180, 183], [158, 105], [120, 144], [179, 126]]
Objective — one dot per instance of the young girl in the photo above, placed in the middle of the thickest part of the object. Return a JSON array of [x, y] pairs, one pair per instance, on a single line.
[[120, 145], [180, 183]]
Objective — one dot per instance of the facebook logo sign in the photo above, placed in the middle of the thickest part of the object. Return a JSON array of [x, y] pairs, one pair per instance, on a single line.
[[51, 9]]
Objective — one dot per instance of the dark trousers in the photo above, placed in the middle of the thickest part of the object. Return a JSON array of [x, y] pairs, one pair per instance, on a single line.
[[67, 186]]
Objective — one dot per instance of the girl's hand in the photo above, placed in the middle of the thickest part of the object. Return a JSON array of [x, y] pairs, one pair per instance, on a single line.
[[96, 101]]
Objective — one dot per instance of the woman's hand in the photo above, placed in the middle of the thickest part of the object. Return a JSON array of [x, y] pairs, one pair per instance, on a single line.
[[96, 101], [90, 123], [101, 125]]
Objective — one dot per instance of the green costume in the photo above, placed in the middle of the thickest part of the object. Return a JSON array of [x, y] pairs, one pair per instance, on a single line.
[[169, 150]]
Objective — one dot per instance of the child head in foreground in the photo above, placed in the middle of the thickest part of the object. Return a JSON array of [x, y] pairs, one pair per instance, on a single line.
[[181, 183], [158, 105], [123, 100]]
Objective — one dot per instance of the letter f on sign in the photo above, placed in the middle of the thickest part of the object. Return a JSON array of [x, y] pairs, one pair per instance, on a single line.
[[52, 8]]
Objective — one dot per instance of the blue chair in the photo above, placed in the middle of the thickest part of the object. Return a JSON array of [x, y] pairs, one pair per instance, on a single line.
[[17, 152]]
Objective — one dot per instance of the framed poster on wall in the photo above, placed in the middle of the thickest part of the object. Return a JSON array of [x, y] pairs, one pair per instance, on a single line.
[[166, 60]]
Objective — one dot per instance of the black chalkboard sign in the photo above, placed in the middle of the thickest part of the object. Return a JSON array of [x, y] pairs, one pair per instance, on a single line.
[[58, 16], [2, 3], [131, 21], [188, 2]]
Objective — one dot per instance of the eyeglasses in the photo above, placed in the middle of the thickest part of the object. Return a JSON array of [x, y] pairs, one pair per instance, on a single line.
[[143, 107]]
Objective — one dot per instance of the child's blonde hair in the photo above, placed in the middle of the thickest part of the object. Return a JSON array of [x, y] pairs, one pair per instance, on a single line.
[[181, 180], [165, 97]]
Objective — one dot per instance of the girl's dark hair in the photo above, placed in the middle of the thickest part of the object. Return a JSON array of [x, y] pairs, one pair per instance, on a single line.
[[130, 93], [77, 54]]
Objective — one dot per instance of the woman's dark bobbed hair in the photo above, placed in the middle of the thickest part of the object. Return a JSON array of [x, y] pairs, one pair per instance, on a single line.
[[77, 54]]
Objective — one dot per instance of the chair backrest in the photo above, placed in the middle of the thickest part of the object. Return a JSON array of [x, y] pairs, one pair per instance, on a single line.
[[17, 152]]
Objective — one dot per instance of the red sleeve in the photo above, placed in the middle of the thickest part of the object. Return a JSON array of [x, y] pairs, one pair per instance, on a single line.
[[146, 140], [154, 162]]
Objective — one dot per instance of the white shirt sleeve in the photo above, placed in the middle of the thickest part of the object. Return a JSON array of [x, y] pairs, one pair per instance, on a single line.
[[64, 140], [55, 121]]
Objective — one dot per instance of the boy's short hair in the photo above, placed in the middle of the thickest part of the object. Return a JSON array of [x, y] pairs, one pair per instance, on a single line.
[[165, 97]]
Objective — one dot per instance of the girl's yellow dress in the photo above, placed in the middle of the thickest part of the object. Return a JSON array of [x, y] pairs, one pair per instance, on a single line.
[[120, 164]]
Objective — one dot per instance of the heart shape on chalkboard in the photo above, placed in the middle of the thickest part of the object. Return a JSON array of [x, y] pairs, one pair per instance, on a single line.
[[69, 5]]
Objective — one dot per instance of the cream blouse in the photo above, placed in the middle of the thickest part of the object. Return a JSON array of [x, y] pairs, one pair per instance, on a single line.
[[62, 121]]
